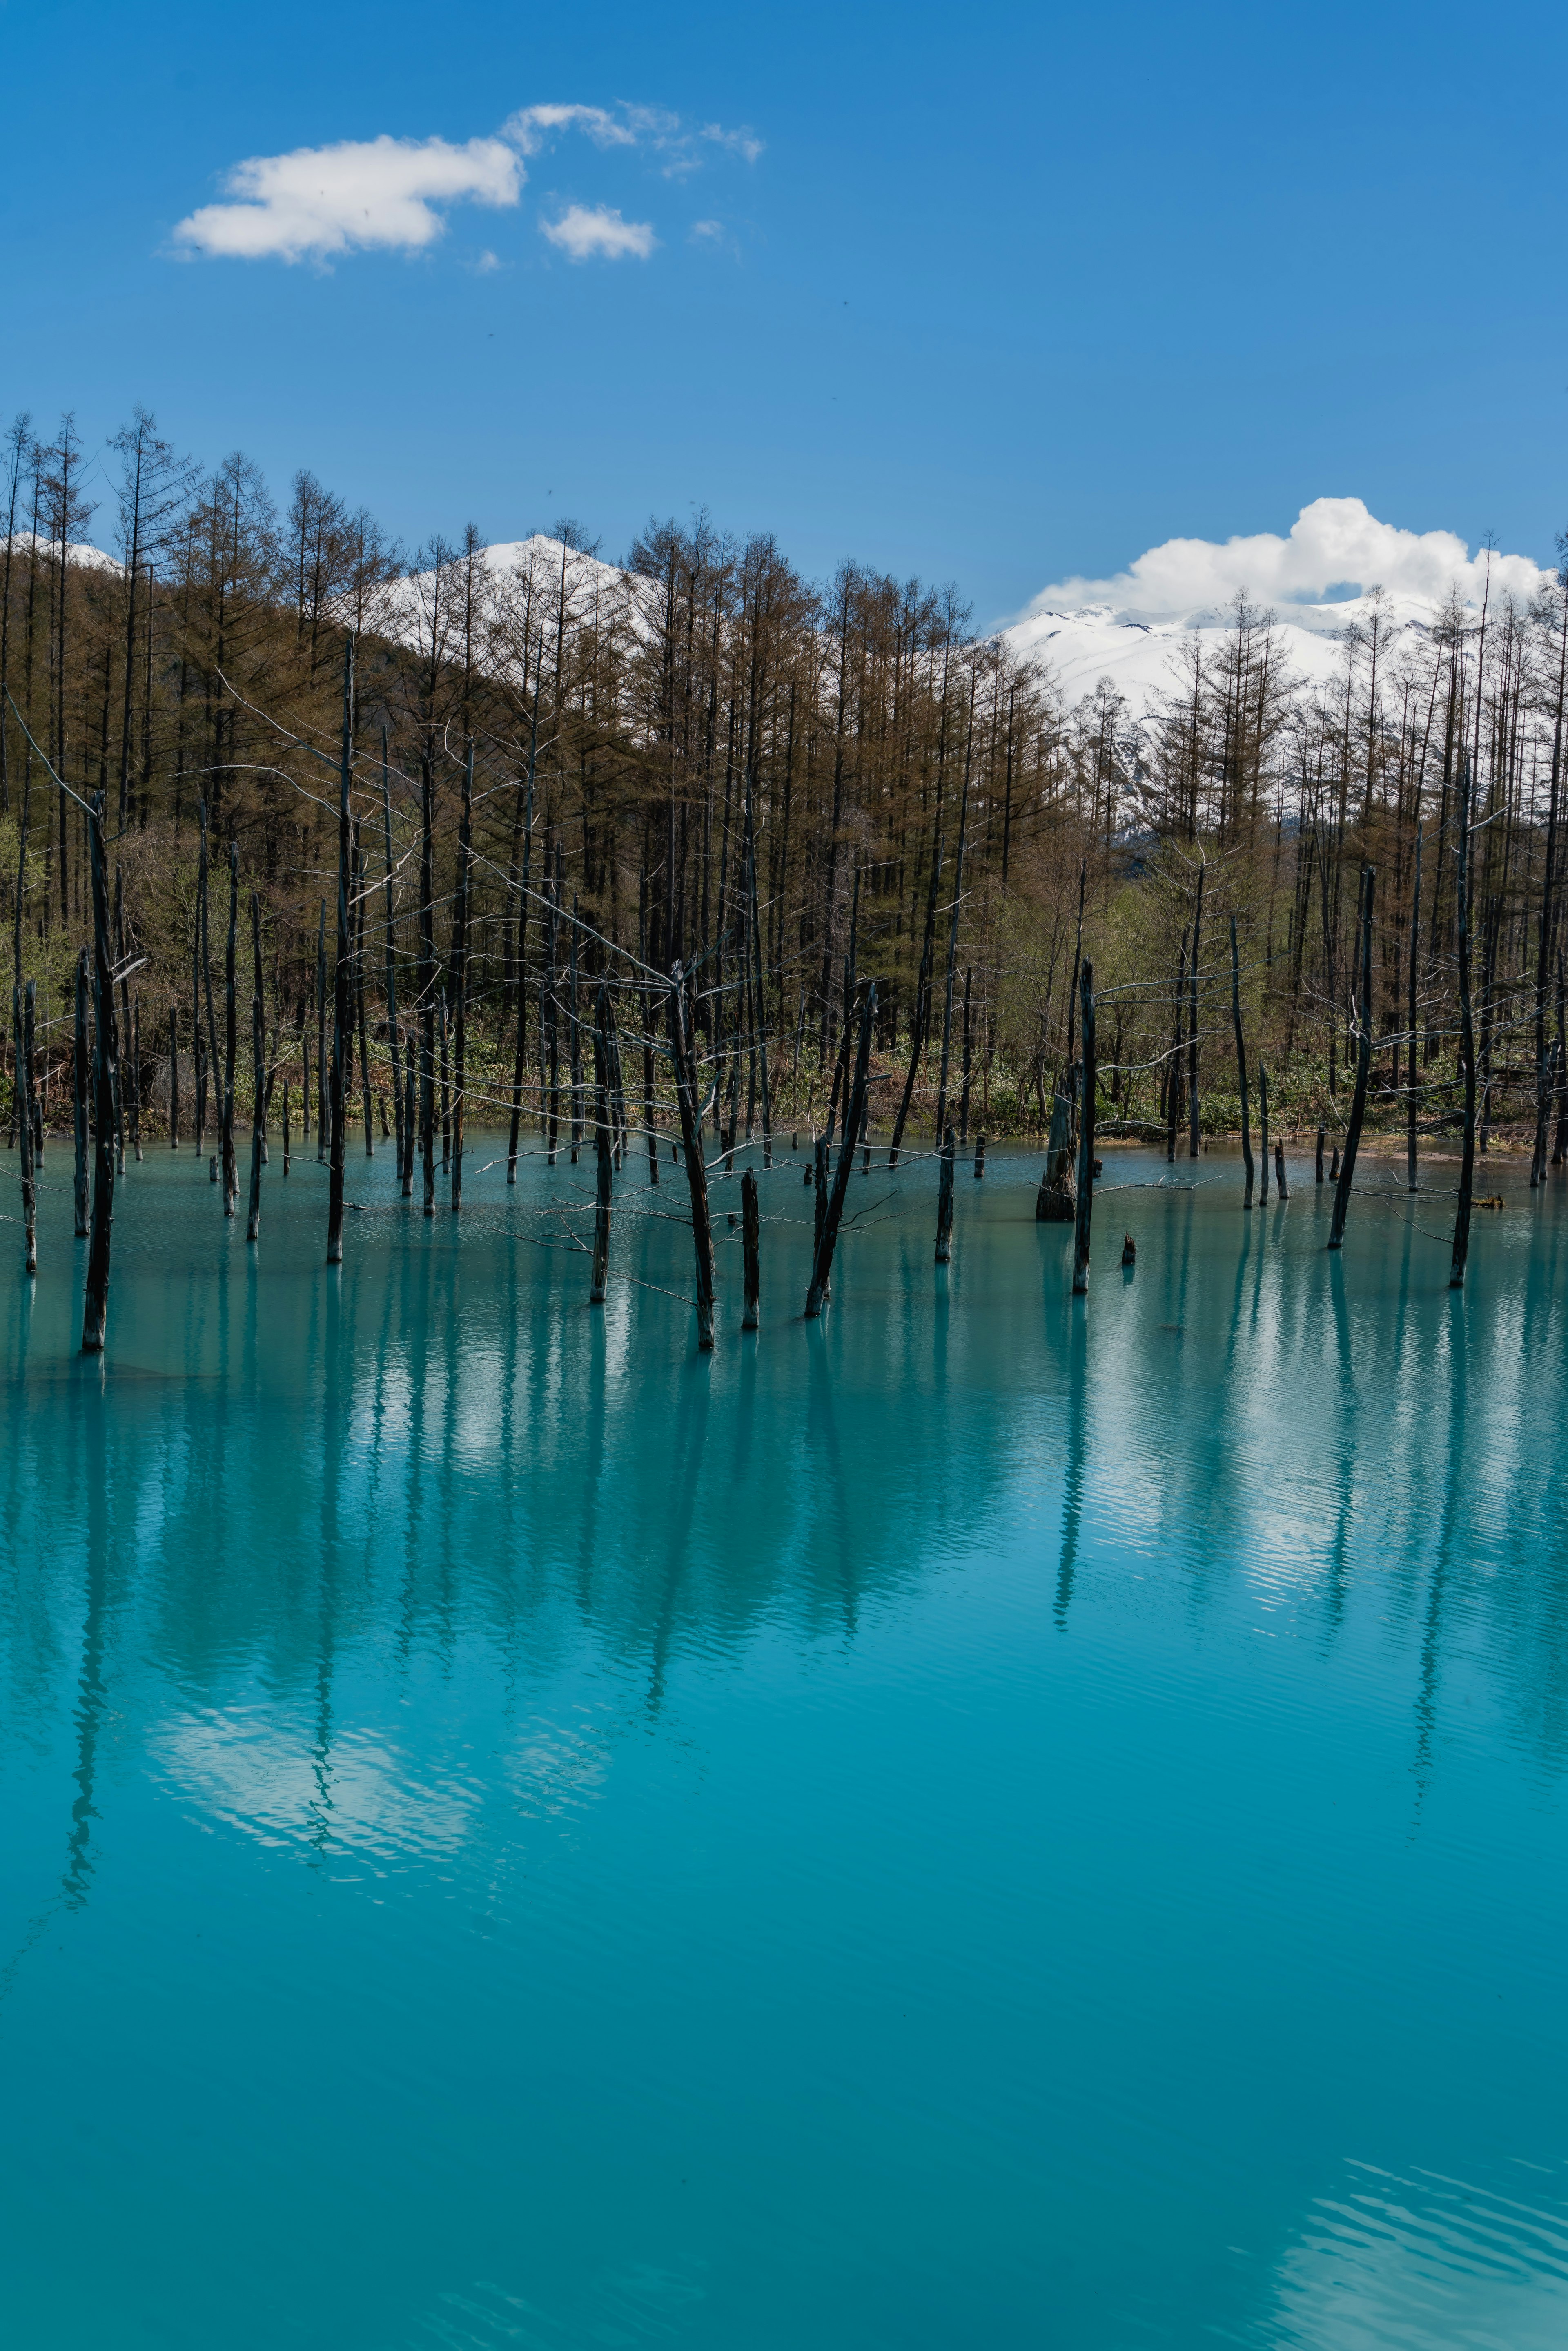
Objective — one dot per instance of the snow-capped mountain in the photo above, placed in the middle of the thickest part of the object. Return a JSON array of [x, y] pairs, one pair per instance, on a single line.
[[1315, 583], [1144, 659]]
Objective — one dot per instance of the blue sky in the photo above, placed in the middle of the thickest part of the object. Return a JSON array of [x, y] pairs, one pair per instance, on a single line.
[[1000, 294]]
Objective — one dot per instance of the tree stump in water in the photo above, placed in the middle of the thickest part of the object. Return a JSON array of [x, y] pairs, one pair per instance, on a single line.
[[944, 1201], [1053, 1202]]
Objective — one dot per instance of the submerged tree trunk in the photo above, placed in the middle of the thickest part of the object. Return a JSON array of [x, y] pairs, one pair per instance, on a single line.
[[231, 1041], [323, 1087], [1172, 1097], [1466, 1041], [953, 949], [692, 1148], [918, 1025], [22, 1022], [135, 1077], [603, 1146], [258, 1064], [360, 912], [1413, 1088], [1192, 1100], [945, 1197], [822, 1270], [1085, 1138], [198, 1055], [460, 979], [95, 1306], [522, 992], [1363, 1070], [427, 984], [1053, 1202], [79, 1091], [1240, 1063], [215, 1060], [405, 1156], [341, 1001]]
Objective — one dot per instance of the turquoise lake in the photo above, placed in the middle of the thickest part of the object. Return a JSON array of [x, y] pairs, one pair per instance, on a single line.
[[979, 1822]]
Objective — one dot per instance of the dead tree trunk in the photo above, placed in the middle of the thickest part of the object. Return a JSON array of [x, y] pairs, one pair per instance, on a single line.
[[922, 993], [231, 1041], [22, 1022], [520, 951], [822, 1267], [341, 1001], [460, 978], [692, 1147], [323, 1084], [258, 1064], [198, 1051], [215, 1063], [1466, 1040], [1413, 1089], [1172, 1099], [551, 1016], [1086, 1137], [1053, 1202], [134, 1075], [427, 984], [602, 1145], [79, 1091], [405, 1158], [95, 1306], [359, 912], [1363, 1070], [1192, 1100], [944, 1198], [1240, 1063]]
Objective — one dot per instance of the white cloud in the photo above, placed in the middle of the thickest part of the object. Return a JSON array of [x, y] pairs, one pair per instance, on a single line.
[[531, 126], [654, 128], [360, 193], [584, 230], [391, 193], [706, 230], [1334, 545], [742, 142]]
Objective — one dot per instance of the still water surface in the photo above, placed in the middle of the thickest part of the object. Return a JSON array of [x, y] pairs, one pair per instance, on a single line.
[[976, 1823]]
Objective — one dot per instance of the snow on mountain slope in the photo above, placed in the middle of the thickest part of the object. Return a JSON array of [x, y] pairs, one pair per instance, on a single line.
[[1315, 582], [1142, 659], [92, 559]]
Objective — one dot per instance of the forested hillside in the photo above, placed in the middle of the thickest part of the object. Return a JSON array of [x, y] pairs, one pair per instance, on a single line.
[[698, 755]]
